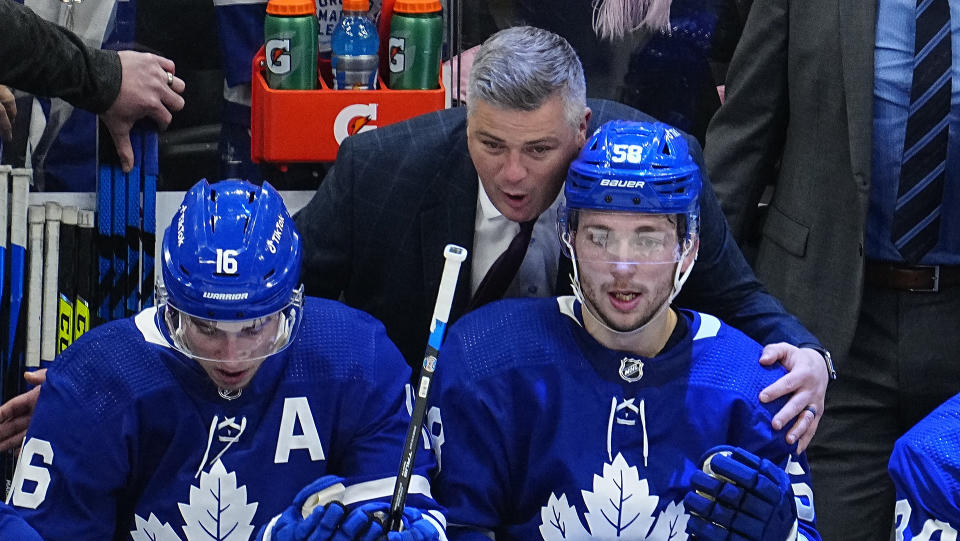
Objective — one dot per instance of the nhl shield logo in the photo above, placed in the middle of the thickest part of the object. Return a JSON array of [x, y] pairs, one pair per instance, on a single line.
[[631, 369]]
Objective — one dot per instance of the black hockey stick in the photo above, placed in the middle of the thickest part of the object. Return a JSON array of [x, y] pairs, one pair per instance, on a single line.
[[454, 256]]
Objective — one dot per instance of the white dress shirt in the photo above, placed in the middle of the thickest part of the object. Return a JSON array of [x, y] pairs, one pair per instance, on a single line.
[[492, 234]]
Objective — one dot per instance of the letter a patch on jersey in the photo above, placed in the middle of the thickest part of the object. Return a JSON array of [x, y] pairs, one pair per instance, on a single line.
[[296, 411]]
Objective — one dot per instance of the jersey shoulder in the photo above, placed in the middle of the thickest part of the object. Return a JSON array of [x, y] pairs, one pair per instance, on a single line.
[[510, 334], [337, 342], [111, 365], [725, 359], [925, 464]]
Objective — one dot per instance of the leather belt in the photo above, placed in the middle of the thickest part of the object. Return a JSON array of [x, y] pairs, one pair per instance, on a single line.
[[918, 278]]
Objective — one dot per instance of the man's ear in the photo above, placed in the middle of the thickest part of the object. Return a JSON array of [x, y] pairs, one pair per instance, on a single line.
[[582, 135]]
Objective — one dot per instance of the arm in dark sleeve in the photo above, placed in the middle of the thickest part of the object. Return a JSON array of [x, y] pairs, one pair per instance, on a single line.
[[45, 59], [723, 284], [326, 229], [746, 137]]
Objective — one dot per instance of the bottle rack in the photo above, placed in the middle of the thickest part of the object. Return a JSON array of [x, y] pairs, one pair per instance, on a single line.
[[295, 126]]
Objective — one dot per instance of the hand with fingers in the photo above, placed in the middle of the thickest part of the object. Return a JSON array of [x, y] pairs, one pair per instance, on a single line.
[[16, 412], [740, 497], [805, 382], [150, 89], [317, 514], [8, 113]]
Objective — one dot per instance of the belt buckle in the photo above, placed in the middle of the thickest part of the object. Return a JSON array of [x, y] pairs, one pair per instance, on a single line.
[[936, 280]]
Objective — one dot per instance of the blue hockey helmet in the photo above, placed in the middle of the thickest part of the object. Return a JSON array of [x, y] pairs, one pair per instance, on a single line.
[[230, 263], [642, 167]]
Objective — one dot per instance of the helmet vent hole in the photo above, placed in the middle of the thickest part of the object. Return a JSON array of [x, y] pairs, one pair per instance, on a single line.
[[251, 196], [269, 274], [213, 195], [636, 200], [608, 199], [246, 223], [184, 270], [665, 149]]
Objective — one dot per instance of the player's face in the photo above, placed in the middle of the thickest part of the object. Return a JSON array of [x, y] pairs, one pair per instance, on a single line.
[[522, 156], [626, 265], [239, 349]]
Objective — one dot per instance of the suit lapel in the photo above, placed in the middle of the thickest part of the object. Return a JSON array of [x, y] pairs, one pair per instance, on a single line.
[[858, 20], [449, 219]]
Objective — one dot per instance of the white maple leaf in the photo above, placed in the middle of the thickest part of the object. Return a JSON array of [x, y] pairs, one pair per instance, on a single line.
[[218, 509], [620, 504], [559, 521], [153, 530], [671, 524]]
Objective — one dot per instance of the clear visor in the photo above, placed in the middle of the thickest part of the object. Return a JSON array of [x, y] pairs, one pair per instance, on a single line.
[[620, 237], [235, 340]]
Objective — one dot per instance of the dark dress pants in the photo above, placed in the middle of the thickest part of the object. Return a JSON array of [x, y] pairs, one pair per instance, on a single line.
[[903, 364]]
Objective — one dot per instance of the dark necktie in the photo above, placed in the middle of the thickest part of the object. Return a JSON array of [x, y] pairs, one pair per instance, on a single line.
[[504, 269], [916, 217]]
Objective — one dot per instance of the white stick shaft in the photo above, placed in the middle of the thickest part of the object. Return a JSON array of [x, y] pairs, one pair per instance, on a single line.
[[35, 215]]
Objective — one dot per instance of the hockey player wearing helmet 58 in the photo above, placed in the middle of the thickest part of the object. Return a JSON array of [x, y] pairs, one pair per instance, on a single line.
[[207, 414], [631, 213], [591, 416]]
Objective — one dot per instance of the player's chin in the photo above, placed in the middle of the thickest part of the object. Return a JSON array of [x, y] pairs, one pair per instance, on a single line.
[[232, 380]]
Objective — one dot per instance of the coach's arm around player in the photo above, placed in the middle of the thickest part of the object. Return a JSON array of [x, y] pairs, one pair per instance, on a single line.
[[615, 413]]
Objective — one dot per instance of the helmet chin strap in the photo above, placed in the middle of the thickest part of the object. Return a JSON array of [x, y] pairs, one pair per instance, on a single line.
[[679, 278]]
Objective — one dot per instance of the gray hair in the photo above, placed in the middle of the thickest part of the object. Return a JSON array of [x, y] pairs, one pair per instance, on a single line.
[[522, 67]]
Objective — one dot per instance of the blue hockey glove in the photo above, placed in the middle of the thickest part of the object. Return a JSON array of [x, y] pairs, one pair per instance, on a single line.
[[415, 527], [739, 497], [291, 525]]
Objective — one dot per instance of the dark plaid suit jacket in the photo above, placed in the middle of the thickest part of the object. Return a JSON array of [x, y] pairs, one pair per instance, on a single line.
[[374, 233]]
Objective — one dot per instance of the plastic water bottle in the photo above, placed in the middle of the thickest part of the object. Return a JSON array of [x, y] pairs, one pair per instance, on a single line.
[[354, 46], [416, 34], [290, 37]]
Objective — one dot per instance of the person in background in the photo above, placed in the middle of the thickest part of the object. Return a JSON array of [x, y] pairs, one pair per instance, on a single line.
[[851, 111], [121, 86]]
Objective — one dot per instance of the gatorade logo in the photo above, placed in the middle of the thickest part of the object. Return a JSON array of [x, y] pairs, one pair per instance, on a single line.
[[278, 56], [397, 58], [354, 118]]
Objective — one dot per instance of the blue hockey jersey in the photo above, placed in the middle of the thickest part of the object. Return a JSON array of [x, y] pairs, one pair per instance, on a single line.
[[925, 468], [131, 439], [538, 436]]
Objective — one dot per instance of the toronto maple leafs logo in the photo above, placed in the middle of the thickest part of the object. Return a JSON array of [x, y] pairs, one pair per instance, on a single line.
[[619, 507], [217, 511]]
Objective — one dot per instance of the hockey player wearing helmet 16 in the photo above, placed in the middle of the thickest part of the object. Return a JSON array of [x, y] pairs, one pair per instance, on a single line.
[[206, 415], [608, 403], [231, 293]]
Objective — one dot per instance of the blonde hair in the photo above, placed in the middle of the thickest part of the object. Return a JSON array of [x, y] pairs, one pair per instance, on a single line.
[[614, 19]]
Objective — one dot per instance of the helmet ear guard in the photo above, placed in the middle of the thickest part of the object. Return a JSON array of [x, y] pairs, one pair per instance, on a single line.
[[231, 269]]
